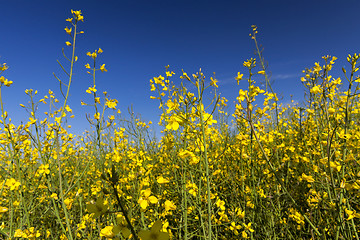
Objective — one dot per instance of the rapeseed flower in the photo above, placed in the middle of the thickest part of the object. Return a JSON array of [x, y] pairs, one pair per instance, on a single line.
[[12, 184], [102, 68], [169, 205], [3, 209], [145, 199], [162, 180], [68, 30]]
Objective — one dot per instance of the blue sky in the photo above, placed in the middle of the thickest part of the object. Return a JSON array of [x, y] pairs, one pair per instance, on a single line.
[[140, 38]]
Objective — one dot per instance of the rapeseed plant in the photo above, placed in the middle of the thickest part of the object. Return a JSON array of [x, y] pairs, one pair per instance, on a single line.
[[274, 171]]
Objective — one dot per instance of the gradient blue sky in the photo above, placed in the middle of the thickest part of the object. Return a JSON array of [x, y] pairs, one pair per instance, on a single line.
[[139, 38]]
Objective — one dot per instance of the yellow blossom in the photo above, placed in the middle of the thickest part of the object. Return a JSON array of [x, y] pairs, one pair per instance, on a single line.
[[316, 89], [162, 180], [111, 103], [146, 198], [91, 90], [220, 204], [248, 227], [169, 205], [68, 30], [54, 196], [3, 209], [173, 123], [19, 233], [12, 184], [102, 68], [5, 81], [213, 82], [307, 178], [109, 231], [44, 168], [239, 77], [97, 116]]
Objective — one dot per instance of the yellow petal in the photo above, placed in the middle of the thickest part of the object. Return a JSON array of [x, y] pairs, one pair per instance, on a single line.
[[3, 209], [161, 180], [143, 204], [147, 192], [153, 199]]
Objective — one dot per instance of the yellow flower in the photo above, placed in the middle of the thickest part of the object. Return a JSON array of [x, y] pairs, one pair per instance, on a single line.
[[233, 227], [159, 80], [351, 214], [102, 68], [80, 18], [185, 76], [169, 205], [109, 231], [173, 123], [97, 116], [307, 178], [335, 165], [111, 104], [12, 184], [68, 109], [331, 110], [19, 234], [5, 81], [239, 77], [316, 89], [3, 67], [248, 227], [54, 196], [68, 31], [172, 105], [154, 233], [239, 213], [213, 82], [146, 198], [68, 43], [8, 83], [242, 95], [220, 204], [87, 66], [185, 154], [192, 188], [68, 202], [93, 55], [78, 15], [91, 90], [44, 168], [249, 63], [3, 209], [32, 120], [161, 180], [169, 74]]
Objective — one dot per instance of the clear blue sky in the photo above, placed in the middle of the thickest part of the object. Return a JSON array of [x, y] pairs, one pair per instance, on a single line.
[[139, 38]]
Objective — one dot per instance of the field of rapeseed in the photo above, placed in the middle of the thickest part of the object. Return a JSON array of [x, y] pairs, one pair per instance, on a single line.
[[272, 172]]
